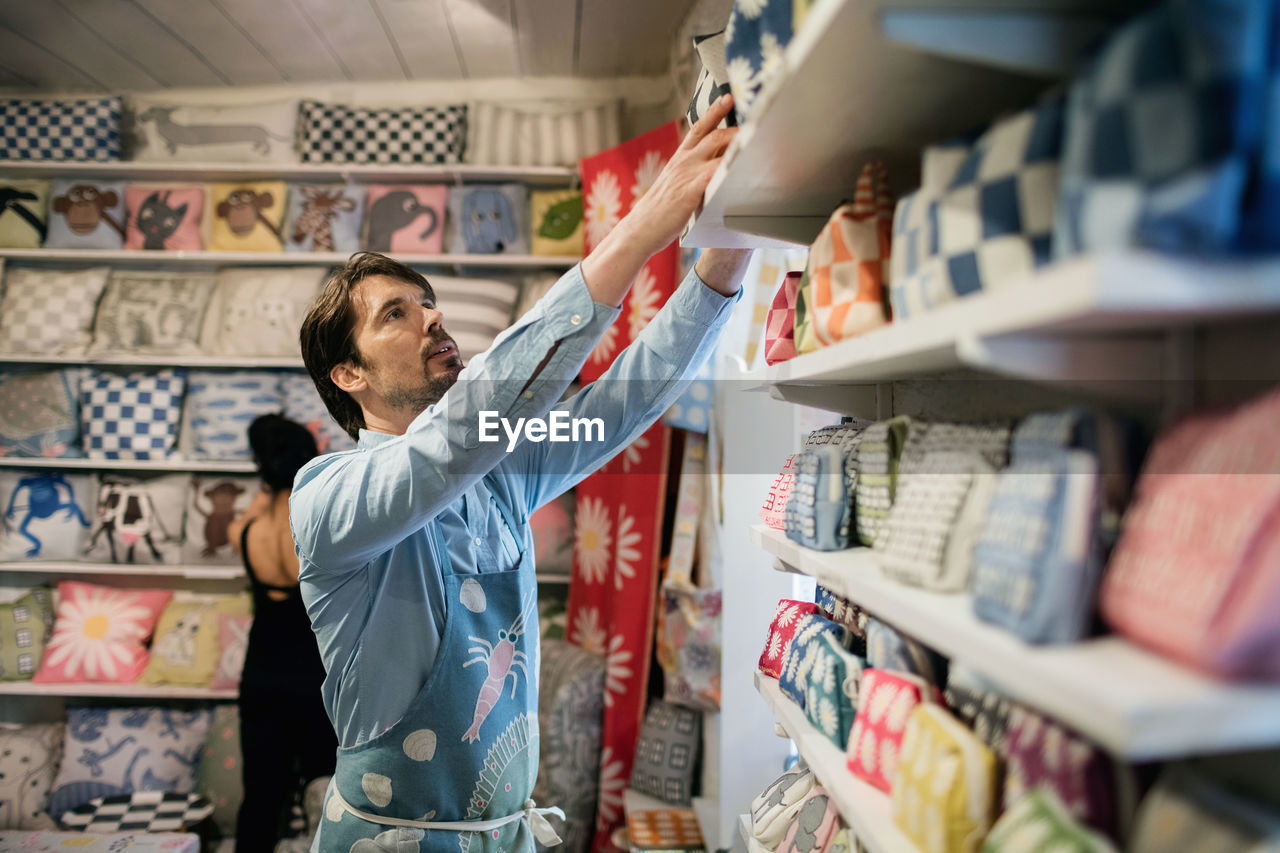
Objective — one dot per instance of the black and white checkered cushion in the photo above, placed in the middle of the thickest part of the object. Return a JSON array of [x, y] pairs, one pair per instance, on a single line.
[[86, 129], [335, 133], [141, 811]]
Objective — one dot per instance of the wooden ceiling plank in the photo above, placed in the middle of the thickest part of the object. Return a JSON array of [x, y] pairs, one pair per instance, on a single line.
[[422, 33], [622, 38], [56, 29], [139, 36], [546, 32], [46, 69], [485, 35], [355, 34], [288, 38], [201, 24]]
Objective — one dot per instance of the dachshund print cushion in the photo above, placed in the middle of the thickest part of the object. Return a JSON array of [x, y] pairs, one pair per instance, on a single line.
[[557, 223], [245, 217], [405, 219], [184, 651], [165, 217], [324, 218], [24, 214], [238, 133], [212, 503], [85, 214], [48, 514], [489, 220], [151, 313], [49, 312]]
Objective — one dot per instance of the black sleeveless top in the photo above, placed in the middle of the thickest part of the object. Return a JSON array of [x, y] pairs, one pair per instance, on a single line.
[[282, 653]]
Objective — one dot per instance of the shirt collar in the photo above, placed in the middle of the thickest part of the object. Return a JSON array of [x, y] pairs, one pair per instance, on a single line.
[[369, 438]]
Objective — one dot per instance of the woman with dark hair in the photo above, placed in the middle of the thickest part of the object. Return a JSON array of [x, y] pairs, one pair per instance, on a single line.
[[285, 734]]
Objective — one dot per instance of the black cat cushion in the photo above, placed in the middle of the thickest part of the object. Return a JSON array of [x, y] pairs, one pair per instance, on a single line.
[[164, 216]]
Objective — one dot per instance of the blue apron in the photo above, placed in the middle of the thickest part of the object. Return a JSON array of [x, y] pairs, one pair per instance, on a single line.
[[456, 772]]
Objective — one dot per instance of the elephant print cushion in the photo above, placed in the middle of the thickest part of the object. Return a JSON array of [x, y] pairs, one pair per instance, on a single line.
[[228, 133], [100, 633], [773, 811], [324, 218], [257, 311], [556, 217], [165, 217], [29, 758], [405, 218], [212, 502], [48, 514], [24, 214], [814, 825], [220, 406], [185, 649], [151, 313], [245, 217], [39, 413], [489, 220], [86, 215]]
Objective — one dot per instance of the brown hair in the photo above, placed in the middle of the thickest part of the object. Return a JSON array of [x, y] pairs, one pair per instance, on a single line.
[[328, 334]]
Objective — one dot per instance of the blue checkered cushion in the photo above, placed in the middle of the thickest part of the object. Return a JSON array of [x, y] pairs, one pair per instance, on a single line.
[[983, 217], [85, 129], [1162, 129], [131, 416]]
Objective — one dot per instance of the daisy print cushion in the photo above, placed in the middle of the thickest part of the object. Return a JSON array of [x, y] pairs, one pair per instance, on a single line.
[[99, 633]]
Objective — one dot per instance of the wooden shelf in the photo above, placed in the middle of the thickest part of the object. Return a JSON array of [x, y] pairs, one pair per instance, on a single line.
[[294, 172], [864, 808], [114, 691], [1137, 704], [139, 257], [170, 464], [230, 572]]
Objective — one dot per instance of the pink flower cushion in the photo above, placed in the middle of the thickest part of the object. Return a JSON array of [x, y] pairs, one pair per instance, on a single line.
[[405, 219], [786, 619], [163, 217], [100, 633]]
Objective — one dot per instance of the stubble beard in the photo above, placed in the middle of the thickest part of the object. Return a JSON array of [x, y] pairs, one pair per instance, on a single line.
[[418, 399]]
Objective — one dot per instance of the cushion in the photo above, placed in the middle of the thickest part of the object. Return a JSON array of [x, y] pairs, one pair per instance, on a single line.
[[489, 219], [29, 757], [302, 403], [39, 413], [212, 503], [86, 215], [151, 313], [713, 79], [185, 649], [815, 823], [165, 217], [557, 223], [221, 778], [405, 218], [49, 312], [137, 520], [47, 514], [475, 310], [233, 644], [257, 311], [541, 134], [890, 649], [130, 416], [336, 133], [24, 214], [122, 750], [773, 510], [228, 133], [1042, 819], [245, 217], [147, 811], [222, 405], [755, 37], [324, 218], [100, 633], [25, 626], [1185, 811], [667, 752], [71, 129], [774, 810]]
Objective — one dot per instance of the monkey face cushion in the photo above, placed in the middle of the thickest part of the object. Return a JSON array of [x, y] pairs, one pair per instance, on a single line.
[[212, 502], [557, 222], [324, 218], [405, 219], [52, 515], [24, 214], [220, 407], [86, 215], [489, 220], [246, 217], [185, 648], [151, 313], [164, 217]]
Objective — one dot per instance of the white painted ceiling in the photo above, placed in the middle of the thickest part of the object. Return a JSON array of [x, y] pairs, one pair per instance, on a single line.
[[123, 45]]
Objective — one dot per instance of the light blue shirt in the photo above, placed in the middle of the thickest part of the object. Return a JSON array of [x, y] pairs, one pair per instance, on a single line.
[[359, 518]]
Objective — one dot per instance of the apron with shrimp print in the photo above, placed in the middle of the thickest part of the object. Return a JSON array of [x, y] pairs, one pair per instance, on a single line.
[[454, 775]]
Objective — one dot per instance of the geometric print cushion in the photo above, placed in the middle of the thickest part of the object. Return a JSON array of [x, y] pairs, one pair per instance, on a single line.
[[335, 133], [480, 309], [222, 405], [85, 129], [666, 753], [131, 417], [25, 626], [39, 413], [782, 631], [151, 313], [302, 403], [1039, 823], [141, 811], [774, 510], [49, 312], [86, 215], [24, 213]]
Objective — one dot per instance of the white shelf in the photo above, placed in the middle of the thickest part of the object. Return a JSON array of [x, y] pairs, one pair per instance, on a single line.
[[864, 808], [114, 691], [800, 155], [171, 464], [300, 172], [195, 361], [136, 257], [1137, 704], [192, 572]]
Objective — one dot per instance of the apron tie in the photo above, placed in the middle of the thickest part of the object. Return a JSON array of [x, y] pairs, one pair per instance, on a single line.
[[542, 829]]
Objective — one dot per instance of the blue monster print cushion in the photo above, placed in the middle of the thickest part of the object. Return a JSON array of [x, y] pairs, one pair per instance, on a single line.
[[122, 750], [46, 514], [489, 220], [220, 407]]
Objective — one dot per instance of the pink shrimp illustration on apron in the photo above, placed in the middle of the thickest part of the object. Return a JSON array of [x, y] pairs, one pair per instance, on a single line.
[[502, 659]]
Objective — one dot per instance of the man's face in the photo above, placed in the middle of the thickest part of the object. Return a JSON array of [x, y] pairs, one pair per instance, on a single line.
[[408, 358]]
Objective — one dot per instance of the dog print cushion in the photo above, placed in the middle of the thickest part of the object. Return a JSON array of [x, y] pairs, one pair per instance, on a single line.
[[86, 214], [24, 214], [405, 218], [231, 133], [489, 220], [245, 217], [47, 514], [324, 218], [165, 217], [212, 503]]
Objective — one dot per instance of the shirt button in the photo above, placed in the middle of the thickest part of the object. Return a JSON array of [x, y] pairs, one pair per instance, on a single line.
[[479, 541], [576, 319], [528, 395]]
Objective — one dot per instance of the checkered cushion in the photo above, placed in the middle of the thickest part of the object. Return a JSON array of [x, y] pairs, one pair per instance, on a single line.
[[49, 312], [87, 129], [335, 133], [780, 326], [141, 811], [983, 217], [1162, 128], [713, 80], [131, 417]]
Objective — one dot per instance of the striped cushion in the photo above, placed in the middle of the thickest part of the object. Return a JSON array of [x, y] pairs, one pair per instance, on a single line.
[[541, 134], [475, 309]]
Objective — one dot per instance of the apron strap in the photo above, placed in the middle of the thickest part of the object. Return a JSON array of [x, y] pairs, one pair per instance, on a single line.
[[543, 831]]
